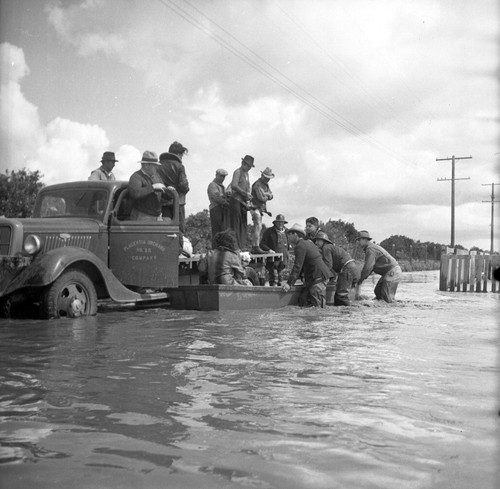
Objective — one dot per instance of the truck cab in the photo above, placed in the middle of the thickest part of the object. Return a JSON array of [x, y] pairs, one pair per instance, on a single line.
[[81, 245]]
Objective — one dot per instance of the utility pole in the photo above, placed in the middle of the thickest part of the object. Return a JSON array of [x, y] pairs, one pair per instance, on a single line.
[[452, 180], [492, 211]]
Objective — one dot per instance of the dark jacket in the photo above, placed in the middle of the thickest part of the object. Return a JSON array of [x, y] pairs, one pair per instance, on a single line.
[[308, 260], [335, 257], [377, 260], [145, 199], [270, 241], [173, 174]]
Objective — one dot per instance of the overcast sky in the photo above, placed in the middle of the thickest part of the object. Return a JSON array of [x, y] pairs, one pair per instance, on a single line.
[[349, 102]]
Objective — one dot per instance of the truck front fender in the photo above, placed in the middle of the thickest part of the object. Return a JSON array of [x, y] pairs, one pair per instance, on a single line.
[[48, 267]]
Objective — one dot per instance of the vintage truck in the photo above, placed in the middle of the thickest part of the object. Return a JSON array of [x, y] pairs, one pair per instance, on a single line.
[[81, 246]]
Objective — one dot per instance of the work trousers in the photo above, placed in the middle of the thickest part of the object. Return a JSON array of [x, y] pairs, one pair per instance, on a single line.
[[346, 281], [271, 267], [219, 220], [238, 221], [313, 295], [257, 227], [387, 285]]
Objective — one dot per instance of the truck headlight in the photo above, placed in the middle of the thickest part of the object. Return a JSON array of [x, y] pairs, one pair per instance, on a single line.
[[32, 244]]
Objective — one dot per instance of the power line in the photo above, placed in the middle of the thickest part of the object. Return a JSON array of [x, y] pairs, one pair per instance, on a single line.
[[315, 103], [452, 180], [383, 104]]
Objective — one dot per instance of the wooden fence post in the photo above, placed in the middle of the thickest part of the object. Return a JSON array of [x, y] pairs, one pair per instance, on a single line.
[[443, 272]]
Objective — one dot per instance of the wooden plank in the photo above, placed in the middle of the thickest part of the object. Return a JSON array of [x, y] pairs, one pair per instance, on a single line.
[[443, 272], [460, 271], [485, 272], [453, 273], [466, 280], [478, 270]]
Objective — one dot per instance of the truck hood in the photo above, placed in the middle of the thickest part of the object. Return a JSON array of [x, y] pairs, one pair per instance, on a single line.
[[56, 225]]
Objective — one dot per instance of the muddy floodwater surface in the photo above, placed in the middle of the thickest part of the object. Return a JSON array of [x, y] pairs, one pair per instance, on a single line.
[[375, 395]]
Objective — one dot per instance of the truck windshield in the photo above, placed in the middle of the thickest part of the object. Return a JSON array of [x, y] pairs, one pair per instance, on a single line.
[[72, 203]]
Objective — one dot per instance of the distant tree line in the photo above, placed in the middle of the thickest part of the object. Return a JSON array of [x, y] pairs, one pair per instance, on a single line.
[[18, 190]]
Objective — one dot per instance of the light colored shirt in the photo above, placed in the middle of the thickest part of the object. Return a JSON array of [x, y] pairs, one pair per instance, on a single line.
[[216, 194], [240, 185], [102, 174]]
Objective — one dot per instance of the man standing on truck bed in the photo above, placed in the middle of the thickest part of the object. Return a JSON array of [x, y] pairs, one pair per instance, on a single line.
[[173, 174], [239, 201], [145, 188], [104, 172]]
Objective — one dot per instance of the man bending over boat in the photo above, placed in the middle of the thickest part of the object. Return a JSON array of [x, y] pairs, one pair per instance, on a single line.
[[379, 261], [309, 262], [223, 264]]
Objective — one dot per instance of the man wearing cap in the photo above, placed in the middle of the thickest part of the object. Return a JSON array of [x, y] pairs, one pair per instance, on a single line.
[[308, 262], [104, 172], [341, 264], [145, 188], [379, 261], [275, 240], [261, 193], [173, 174], [219, 204], [239, 201], [312, 227]]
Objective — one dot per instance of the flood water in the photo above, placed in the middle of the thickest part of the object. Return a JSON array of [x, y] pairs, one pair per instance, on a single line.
[[400, 395]]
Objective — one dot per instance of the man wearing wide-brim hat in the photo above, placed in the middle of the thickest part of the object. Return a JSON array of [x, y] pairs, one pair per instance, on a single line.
[[105, 171], [275, 240], [145, 188], [378, 260], [240, 197], [341, 264], [261, 194], [308, 261]]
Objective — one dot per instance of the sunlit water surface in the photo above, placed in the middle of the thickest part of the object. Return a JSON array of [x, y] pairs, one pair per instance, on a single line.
[[373, 396]]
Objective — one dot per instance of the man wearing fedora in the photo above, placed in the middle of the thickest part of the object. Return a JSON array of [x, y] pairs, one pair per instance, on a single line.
[[379, 261], [219, 204], [261, 193], [275, 240], [309, 263], [239, 201], [145, 188], [340, 264], [105, 171]]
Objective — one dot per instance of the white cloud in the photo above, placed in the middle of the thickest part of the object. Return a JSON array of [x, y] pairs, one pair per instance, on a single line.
[[349, 103], [61, 150]]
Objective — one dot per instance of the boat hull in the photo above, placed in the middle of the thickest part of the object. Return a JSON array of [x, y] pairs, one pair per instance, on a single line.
[[235, 297]]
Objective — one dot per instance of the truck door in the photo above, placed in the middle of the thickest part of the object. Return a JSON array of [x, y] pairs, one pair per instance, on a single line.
[[143, 253]]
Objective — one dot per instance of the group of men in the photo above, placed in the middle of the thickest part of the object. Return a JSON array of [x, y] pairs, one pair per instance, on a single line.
[[229, 206], [323, 261], [318, 261], [152, 187]]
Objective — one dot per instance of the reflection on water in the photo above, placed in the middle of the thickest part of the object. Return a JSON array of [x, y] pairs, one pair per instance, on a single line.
[[373, 396]]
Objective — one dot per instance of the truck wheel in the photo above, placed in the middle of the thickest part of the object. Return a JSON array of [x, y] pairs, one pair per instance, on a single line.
[[72, 295]]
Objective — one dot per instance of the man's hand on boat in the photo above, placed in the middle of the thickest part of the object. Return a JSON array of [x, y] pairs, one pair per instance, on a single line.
[[285, 287]]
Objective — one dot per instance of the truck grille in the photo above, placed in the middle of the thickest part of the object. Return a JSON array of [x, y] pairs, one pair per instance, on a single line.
[[5, 232], [53, 242]]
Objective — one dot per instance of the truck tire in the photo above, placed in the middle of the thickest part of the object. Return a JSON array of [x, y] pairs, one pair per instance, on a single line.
[[72, 295]]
